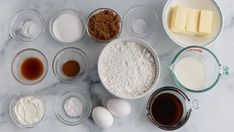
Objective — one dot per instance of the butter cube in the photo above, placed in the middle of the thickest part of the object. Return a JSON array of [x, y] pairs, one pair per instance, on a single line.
[[179, 19], [192, 21], [205, 23]]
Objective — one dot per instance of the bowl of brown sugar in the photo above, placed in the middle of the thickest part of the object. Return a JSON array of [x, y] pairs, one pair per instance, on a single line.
[[104, 25]]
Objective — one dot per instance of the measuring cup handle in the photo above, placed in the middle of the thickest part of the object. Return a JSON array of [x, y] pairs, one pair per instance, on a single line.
[[224, 70], [193, 104]]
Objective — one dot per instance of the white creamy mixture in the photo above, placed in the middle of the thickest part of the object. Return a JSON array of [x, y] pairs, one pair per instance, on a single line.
[[128, 69], [191, 73], [73, 107], [29, 110], [67, 28]]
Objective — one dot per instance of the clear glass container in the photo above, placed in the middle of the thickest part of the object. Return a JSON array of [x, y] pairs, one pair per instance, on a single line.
[[212, 65], [66, 11], [141, 21], [13, 103], [66, 54], [96, 12], [188, 106], [20, 57], [27, 25], [86, 107]]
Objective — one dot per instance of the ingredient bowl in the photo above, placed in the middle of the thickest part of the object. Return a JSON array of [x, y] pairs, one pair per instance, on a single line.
[[169, 108], [128, 68], [27, 25], [190, 40], [197, 69], [29, 72], [102, 26], [28, 109], [67, 26], [70, 54], [83, 107], [141, 21]]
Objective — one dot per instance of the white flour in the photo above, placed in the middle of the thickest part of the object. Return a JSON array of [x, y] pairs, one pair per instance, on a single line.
[[128, 69]]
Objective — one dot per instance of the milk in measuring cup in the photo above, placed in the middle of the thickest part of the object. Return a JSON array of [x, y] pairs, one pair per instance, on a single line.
[[191, 73]]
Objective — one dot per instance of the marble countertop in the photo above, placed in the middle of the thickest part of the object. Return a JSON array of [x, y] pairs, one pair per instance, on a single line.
[[216, 112]]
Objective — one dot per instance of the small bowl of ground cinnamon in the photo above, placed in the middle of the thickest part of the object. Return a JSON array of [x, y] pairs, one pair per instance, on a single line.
[[104, 25], [70, 64]]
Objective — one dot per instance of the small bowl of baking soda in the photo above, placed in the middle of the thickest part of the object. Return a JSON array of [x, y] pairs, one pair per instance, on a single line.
[[129, 68]]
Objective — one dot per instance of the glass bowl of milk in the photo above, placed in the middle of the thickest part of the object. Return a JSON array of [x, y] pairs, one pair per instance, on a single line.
[[197, 69]]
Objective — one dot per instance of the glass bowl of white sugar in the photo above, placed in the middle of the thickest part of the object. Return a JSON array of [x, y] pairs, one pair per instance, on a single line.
[[129, 68], [67, 26]]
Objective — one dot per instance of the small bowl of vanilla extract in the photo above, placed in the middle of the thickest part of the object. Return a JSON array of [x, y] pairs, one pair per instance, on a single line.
[[70, 64], [29, 66]]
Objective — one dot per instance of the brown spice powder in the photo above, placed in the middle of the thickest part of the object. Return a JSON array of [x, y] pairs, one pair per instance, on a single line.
[[104, 25]]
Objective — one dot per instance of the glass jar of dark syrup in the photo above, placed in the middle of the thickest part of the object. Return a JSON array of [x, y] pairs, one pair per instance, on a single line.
[[169, 108]]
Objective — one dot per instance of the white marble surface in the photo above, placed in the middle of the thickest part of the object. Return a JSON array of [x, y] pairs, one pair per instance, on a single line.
[[216, 112]]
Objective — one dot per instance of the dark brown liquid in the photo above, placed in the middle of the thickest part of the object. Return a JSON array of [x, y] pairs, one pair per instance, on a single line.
[[32, 68], [167, 109], [71, 68]]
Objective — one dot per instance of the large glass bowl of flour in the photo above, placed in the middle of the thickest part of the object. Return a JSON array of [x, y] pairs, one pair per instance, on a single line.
[[128, 68]]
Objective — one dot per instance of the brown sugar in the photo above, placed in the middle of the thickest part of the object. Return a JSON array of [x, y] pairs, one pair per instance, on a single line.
[[71, 68], [105, 25]]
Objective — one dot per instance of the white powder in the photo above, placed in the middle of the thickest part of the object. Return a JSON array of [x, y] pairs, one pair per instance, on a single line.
[[68, 28], [73, 107], [29, 29], [128, 69], [139, 26]]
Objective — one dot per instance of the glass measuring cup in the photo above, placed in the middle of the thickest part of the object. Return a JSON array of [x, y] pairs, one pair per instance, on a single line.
[[187, 106], [214, 70]]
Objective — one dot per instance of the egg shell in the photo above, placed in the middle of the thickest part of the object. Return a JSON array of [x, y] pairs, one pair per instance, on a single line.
[[102, 117], [118, 107]]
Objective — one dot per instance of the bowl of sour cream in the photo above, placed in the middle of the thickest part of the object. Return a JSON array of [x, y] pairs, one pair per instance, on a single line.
[[27, 109]]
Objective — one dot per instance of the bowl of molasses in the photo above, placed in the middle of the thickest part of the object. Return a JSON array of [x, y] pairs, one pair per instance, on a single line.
[[169, 108]]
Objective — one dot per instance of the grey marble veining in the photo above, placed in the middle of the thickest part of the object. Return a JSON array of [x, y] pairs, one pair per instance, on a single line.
[[216, 112]]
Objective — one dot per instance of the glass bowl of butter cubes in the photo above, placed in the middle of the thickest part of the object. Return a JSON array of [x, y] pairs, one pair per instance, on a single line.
[[192, 22]]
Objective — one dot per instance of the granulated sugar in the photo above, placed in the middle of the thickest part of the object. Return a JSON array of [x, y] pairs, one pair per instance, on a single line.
[[128, 69]]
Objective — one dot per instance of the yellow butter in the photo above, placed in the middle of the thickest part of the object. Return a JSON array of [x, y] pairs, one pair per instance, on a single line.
[[192, 21], [205, 22], [178, 19]]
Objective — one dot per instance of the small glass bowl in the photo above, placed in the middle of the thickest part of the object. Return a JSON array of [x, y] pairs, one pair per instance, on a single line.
[[13, 103], [141, 21], [18, 60], [60, 112], [66, 54], [66, 11], [23, 16], [96, 12]]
